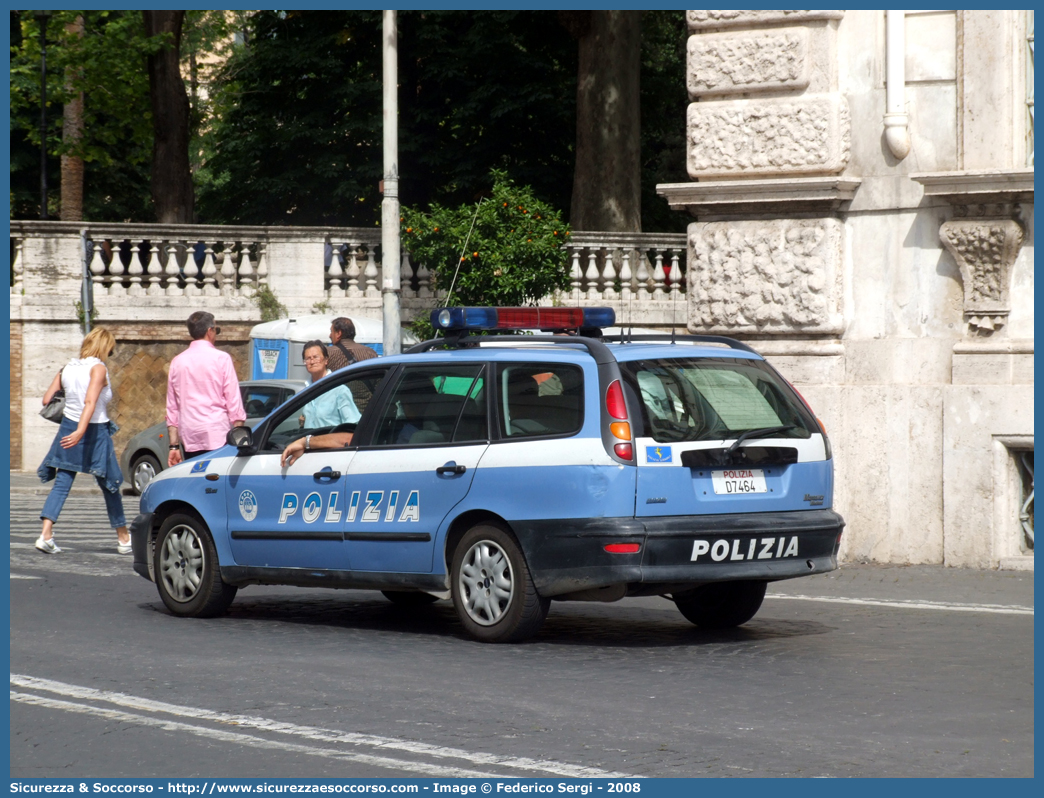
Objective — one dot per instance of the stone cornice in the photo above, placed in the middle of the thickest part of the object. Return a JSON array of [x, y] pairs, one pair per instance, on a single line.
[[794, 194], [993, 185], [193, 232]]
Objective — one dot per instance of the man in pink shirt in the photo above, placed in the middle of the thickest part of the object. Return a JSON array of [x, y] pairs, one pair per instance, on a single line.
[[203, 400]]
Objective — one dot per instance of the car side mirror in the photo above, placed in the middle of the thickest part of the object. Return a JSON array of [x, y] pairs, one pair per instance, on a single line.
[[240, 437]]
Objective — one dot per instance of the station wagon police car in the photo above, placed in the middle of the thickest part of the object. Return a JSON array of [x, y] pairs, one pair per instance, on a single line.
[[504, 471]]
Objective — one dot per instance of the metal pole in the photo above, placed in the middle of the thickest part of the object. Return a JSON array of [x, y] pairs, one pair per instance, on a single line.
[[86, 284], [390, 248], [41, 18]]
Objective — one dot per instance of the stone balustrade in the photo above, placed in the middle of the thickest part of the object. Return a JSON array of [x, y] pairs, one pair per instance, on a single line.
[[151, 271]]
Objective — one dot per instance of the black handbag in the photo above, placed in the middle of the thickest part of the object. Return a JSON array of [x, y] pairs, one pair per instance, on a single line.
[[55, 409]]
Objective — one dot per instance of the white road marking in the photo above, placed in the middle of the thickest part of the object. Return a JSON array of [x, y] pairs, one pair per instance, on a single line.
[[23, 576], [1001, 609], [246, 739], [311, 732]]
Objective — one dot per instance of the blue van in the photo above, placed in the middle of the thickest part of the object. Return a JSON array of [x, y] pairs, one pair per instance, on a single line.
[[504, 471]]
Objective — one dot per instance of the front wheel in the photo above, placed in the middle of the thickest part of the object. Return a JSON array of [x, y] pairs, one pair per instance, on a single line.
[[722, 605], [186, 568], [493, 592]]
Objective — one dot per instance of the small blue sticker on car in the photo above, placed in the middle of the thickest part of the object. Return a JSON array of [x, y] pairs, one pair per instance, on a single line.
[[200, 467], [658, 454]]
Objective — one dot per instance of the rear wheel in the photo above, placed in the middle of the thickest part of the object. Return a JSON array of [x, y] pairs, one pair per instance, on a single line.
[[722, 605], [142, 471], [493, 592], [186, 568], [409, 598]]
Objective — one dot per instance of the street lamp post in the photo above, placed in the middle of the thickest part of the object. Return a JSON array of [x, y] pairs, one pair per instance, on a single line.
[[42, 17]]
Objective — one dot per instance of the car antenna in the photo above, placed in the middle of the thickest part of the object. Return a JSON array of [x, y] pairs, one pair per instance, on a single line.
[[460, 260]]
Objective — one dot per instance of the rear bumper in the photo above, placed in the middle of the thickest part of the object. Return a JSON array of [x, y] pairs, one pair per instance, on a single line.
[[139, 532], [678, 552]]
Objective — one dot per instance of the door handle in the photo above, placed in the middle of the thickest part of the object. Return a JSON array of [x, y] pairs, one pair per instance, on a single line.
[[451, 469], [326, 474]]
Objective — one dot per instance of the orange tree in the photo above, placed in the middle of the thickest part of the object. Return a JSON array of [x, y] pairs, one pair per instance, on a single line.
[[506, 250]]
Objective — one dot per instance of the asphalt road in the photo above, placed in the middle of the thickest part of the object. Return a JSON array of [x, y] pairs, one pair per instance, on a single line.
[[869, 671]]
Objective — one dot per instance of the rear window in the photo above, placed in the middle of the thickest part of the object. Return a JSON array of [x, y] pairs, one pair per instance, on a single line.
[[700, 399], [539, 399]]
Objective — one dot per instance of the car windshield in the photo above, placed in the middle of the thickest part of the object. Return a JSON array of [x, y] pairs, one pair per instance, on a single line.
[[700, 399]]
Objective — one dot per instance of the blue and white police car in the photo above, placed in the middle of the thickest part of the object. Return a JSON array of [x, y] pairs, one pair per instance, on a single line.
[[504, 471]]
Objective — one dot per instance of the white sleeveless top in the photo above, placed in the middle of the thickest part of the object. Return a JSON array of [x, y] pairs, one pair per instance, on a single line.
[[76, 376]]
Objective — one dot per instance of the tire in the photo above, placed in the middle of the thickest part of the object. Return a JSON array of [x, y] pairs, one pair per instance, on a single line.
[[186, 567], [493, 593], [722, 605], [142, 470], [409, 598]]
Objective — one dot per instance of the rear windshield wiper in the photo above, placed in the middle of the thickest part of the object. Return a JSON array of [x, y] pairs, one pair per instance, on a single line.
[[758, 433]]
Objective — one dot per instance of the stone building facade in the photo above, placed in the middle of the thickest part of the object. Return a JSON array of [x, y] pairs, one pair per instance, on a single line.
[[862, 187]]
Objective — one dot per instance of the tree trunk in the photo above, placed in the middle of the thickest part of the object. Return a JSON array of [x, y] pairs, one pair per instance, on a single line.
[[72, 134], [172, 193], [607, 176]]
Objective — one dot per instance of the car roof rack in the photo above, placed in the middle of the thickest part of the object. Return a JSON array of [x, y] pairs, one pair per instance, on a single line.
[[598, 350], [626, 338]]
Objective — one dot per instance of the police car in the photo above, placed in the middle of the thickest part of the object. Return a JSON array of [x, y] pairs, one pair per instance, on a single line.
[[504, 471]]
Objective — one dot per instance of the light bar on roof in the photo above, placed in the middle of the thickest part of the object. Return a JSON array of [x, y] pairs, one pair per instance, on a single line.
[[521, 318]]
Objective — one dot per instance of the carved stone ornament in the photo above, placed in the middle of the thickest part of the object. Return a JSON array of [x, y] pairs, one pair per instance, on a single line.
[[766, 276], [771, 137], [724, 63], [700, 20], [985, 250]]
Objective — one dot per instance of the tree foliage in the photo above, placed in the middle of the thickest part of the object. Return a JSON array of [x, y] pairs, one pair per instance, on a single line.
[[506, 249]]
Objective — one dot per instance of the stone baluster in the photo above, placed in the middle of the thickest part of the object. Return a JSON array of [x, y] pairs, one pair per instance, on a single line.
[[246, 271], [173, 272], [626, 278], [353, 272], [96, 266], [370, 273], [191, 271], [659, 278], [135, 271], [335, 274], [575, 276], [591, 276], [609, 276], [155, 272], [228, 271], [116, 271], [262, 264], [209, 271], [423, 282], [17, 268], [406, 277], [677, 278], [643, 276]]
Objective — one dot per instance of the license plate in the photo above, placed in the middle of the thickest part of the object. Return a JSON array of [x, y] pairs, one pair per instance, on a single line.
[[739, 480]]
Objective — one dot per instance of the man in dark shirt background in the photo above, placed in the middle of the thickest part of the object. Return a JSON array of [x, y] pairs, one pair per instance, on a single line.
[[344, 350]]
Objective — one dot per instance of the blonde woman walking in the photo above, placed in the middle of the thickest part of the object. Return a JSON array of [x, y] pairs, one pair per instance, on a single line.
[[83, 443]]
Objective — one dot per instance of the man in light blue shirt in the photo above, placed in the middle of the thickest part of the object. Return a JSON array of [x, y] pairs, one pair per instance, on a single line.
[[333, 407]]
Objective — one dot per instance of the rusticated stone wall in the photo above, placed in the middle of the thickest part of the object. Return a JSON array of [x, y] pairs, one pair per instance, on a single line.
[[732, 18], [806, 135], [756, 61], [766, 276], [16, 396]]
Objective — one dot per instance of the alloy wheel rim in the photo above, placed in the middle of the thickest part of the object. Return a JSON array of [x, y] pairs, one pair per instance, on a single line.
[[181, 563], [486, 583], [143, 474]]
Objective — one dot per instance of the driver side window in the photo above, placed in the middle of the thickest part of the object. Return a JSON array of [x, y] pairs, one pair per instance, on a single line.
[[337, 408]]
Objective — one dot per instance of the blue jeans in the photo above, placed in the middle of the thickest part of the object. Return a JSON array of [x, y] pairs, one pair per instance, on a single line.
[[63, 482]]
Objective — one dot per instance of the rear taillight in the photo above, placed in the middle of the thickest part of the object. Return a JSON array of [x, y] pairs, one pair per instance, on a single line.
[[623, 548], [819, 421], [620, 429]]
